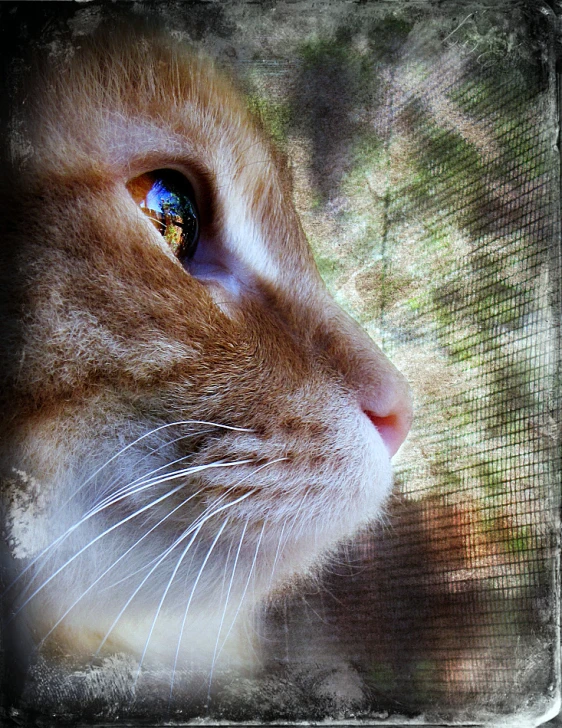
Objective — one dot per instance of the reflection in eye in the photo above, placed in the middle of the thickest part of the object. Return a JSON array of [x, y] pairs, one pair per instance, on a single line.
[[168, 200]]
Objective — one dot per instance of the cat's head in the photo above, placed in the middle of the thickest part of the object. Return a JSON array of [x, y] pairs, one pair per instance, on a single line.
[[190, 418]]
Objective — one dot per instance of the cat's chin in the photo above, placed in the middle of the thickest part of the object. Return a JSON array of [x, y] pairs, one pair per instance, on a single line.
[[278, 532], [352, 498], [304, 507]]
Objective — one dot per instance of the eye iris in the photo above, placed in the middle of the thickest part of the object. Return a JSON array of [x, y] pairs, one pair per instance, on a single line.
[[167, 199]]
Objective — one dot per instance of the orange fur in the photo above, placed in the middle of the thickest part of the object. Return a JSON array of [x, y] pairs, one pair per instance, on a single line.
[[112, 338]]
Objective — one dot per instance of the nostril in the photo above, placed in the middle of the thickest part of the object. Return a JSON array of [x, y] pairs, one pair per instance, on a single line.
[[393, 428]]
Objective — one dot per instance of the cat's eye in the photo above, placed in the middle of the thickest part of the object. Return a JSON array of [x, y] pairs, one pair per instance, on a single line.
[[168, 200]]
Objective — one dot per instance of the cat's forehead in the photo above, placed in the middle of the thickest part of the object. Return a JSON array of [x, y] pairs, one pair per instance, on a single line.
[[119, 102]]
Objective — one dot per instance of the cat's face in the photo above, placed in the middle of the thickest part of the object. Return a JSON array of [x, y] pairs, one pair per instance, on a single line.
[[192, 420]]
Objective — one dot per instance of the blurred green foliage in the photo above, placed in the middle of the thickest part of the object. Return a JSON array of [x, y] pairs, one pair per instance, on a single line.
[[427, 183]]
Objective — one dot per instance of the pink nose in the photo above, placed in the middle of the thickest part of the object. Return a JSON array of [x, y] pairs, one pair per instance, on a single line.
[[393, 420], [381, 391]]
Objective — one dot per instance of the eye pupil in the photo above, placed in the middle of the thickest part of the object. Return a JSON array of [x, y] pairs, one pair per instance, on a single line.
[[168, 200]]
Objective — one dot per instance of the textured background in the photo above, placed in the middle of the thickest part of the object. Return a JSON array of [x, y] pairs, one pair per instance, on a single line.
[[422, 143]]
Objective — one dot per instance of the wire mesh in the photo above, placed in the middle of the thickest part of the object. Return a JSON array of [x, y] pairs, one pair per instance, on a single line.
[[422, 142], [451, 605]]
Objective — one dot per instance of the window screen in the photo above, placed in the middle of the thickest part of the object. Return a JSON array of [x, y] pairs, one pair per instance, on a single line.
[[446, 226], [422, 140]]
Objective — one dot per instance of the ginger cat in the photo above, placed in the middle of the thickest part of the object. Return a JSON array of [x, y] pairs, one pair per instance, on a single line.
[[190, 421]]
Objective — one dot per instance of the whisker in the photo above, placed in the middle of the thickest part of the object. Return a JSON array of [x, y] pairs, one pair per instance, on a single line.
[[196, 526], [277, 552], [280, 546], [163, 556], [295, 519], [107, 503], [114, 564], [225, 570], [145, 485], [333, 596], [169, 584], [164, 445], [211, 671], [91, 543], [245, 589], [143, 437], [123, 450], [110, 529], [261, 467], [308, 606], [304, 522], [189, 471], [217, 501]]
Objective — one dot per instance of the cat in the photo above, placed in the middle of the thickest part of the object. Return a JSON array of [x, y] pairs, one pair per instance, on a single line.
[[190, 422]]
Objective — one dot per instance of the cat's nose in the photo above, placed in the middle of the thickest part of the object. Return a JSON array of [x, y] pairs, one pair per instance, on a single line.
[[390, 412], [381, 390]]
